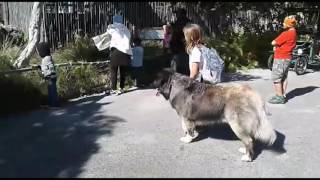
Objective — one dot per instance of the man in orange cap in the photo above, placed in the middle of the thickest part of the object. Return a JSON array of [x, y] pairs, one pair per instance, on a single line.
[[283, 47]]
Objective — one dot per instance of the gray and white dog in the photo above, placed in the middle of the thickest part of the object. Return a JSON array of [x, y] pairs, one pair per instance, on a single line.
[[202, 104]]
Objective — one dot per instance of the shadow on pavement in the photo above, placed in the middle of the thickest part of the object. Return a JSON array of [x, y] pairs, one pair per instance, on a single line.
[[216, 131], [224, 132], [277, 147], [300, 91], [239, 77], [53, 143]]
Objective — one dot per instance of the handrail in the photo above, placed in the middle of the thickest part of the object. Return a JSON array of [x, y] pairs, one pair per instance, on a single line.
[[35, 66]]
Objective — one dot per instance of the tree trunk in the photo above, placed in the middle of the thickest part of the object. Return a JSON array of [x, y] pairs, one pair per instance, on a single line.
[[34, 36], [6, 13]]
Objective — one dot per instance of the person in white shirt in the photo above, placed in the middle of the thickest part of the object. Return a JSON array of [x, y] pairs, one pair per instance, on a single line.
[[120, 52], [194, 42], [137, 62]]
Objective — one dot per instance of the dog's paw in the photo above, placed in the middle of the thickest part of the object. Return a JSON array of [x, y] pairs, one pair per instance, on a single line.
[[195, 134], [242, 150], [186, 139], [246, 158]]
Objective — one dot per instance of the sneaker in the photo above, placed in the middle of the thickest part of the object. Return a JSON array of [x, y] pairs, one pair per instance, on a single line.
[[112, 92], [273, 98], [277, 100], [120, 91]]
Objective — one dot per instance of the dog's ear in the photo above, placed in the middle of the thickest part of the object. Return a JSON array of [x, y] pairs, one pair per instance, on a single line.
[[168, 71], [162, 77]]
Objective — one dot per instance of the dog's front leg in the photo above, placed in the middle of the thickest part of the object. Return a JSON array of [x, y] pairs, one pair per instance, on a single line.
[[184, 126], [189, 130]]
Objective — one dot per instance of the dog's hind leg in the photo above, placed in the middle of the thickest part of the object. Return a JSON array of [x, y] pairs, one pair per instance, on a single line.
[[246, 140], [189, 130]]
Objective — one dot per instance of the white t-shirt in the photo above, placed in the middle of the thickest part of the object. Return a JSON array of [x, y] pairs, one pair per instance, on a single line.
[[120, 37], [196, 57]]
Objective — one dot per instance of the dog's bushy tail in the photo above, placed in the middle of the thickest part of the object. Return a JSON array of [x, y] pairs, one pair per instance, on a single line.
[[265, 132]]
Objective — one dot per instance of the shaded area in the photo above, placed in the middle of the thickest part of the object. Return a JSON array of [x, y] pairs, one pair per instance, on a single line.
[[224, 132], [55, 143], [277, 147], [227, 77], [153, 65], [146, 13], [216, 131], [19, 93], [300, 91]]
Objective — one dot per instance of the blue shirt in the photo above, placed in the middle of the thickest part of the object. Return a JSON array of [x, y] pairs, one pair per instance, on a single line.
[[137, 56]]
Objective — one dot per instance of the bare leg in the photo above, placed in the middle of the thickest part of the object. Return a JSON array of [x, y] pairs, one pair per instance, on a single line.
[[284, 86], [278, 88]]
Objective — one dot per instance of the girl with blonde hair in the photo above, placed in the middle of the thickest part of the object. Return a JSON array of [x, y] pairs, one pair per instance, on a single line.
[[194, 42]]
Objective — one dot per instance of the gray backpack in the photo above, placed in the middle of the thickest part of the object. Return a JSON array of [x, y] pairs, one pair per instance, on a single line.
[[213, 65]]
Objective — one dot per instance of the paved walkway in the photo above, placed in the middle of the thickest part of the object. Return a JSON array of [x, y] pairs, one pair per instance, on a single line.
[[137, 135]]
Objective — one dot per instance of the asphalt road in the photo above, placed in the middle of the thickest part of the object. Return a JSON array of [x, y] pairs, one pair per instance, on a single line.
[[137, 134]]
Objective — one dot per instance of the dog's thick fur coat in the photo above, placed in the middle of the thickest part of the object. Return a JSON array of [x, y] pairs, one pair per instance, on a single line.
[[202, 104]]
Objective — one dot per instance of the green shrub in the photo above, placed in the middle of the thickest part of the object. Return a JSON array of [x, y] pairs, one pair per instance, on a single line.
[[28, 90], [243, 51], [82, 49], [230, 51], [19, 92], [85, 80]]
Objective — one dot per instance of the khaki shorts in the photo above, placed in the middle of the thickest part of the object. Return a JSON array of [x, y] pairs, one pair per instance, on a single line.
[[280, 70]]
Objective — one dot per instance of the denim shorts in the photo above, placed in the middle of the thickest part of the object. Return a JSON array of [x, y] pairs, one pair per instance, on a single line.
[[280, 69]]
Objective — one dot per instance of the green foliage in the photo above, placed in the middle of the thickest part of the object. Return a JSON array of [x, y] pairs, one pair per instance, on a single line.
[[82, 49], [85, 80], [19, 92], [9, 51], [28, 90], [243, 51]]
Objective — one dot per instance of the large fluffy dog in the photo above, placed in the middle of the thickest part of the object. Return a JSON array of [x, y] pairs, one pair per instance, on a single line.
[[203, 104]]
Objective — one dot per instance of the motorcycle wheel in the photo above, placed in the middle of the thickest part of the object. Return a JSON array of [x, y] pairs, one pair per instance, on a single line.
[[270, 62], [300, 66]]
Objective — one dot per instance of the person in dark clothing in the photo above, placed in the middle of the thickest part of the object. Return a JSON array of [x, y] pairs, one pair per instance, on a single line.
[[180, 60], [122, 61], [180, 63]]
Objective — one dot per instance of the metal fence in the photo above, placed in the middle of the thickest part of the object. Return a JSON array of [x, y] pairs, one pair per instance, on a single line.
[[63, 19]]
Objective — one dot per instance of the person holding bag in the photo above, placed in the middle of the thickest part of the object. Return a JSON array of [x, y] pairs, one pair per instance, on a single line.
[[117, 38]]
